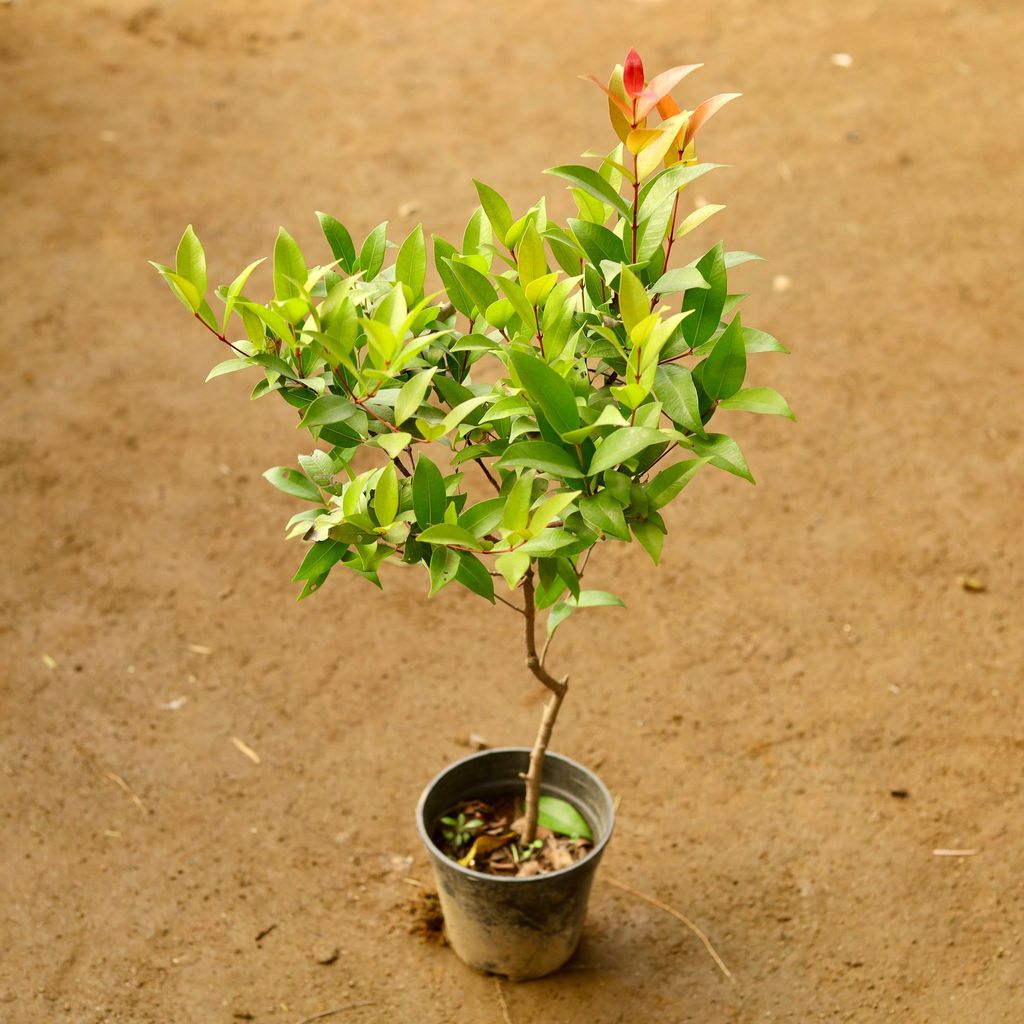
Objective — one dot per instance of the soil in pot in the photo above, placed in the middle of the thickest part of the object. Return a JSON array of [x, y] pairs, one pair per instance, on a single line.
[[487, 836]]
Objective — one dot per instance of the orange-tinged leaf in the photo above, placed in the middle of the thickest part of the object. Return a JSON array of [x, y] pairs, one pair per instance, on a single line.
[[633, 74], [616, 104], [705, 112], [668, 107], [661, 85], [654, 151]]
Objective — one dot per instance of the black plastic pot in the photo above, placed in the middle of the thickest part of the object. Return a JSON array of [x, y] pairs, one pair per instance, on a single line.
[[520, 928]]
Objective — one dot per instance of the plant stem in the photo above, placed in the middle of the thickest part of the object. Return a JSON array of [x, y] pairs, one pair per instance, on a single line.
[[558, 688]]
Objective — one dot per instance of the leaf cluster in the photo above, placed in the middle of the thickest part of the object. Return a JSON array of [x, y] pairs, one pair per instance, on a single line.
[[567, 363]]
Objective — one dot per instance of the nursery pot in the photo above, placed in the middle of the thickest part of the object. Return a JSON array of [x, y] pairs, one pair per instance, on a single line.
[[517, 927]]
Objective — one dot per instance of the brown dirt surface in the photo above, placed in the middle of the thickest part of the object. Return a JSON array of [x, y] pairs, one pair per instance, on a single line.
[[805, 649]]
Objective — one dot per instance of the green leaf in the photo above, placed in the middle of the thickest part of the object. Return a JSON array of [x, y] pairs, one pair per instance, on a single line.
[[722, 451], [477, 235], [292, 482], [737, 259], [476, 286], [289, 267], [190, 261], [371, 256], [411, 264], [429, 499], [674, 388], [444, 565], [520, 303], [760, 341], [679, 280], [517, 505], [668, 183], [669, 482], [763, 400], [184, 291], [328, 409], [473, 574], [560, 611], [393, 443], [410, 398], [498, 213], [651, 539], [319, 559], [443, 253], [512, 565], [726, 367], [483, 517], [560, 816], [542, 455], [634, 305], [695, 219], [621, 445], [450, 533], [603, 513], [593, 184], [339, 240], [547, 390], [531, 260], [385, 496], [228, 366], [235, 289], [706, 303]]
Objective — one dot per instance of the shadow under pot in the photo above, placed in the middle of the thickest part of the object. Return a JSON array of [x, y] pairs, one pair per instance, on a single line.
[[517, 927]]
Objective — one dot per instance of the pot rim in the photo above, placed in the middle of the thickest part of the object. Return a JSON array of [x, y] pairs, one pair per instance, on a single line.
[[454, 865]]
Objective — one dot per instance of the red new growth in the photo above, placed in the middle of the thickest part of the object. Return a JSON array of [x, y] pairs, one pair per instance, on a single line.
[[633, 74]]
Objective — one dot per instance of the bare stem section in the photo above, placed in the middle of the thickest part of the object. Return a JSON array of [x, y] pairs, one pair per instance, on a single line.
[[558, 688]]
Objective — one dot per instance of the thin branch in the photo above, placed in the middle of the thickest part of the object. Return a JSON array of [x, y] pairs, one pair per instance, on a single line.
[[498, 597], [679, 916], [487, 473], [221, 337]]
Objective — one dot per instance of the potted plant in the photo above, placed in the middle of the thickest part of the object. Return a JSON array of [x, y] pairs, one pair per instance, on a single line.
[[570, 370]]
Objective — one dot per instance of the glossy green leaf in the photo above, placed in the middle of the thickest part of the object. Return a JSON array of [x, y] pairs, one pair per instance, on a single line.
[[444, 566], [722, 451], [429, 499], [542, 455], [695, 219], [496, 209], [473, 574], [523, 307], [621, 445], [319, 559], [760, 341], [679, 280], [190, 261], [549, 391], [328, 409], [371, 256], [517, 504], [726, 367], [634, 304], [763, 400], [411, 396], [385, 496], [592, 183], [530, 257], [289, 267], [651, 539], [292, 482], [603, 513], [706, 303], [411, 263], [670, 481], [339, 240], [673, 387], [560, 816], [512, 565], [450, 533]]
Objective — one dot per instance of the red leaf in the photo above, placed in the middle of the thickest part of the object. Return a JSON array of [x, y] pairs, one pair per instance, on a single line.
[[661, 85], [706, 111], [633, 74]]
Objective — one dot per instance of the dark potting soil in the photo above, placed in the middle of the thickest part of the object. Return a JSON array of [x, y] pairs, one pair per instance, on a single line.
[[490, 840]]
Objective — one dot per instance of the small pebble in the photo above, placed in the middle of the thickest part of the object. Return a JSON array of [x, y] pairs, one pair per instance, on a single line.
[[842, 60], [325, 953]]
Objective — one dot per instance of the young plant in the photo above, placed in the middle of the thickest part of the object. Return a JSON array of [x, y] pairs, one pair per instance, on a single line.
[[459, 830], [568, 364]]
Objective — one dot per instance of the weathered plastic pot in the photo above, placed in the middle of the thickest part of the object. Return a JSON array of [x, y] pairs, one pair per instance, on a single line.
[[519, 928]]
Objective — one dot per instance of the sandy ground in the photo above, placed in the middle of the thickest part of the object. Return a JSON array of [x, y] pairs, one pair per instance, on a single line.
[[805, 648]]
